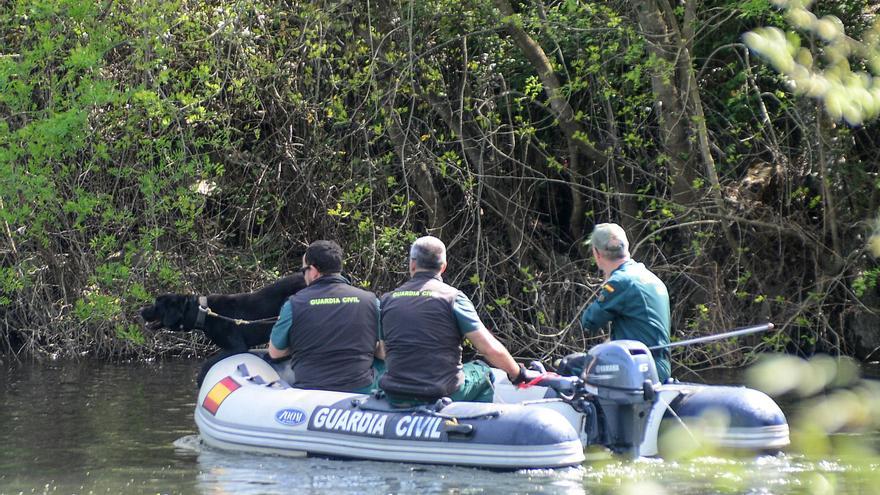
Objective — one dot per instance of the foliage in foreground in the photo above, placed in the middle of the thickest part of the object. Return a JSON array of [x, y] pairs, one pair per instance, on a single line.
[[834, 416], [190, 146]]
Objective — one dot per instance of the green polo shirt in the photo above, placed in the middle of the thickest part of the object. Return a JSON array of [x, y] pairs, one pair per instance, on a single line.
[[636, 303]]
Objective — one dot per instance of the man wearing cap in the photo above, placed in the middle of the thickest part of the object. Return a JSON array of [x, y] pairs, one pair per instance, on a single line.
[[423, 323], [632, 298], [331, 328]]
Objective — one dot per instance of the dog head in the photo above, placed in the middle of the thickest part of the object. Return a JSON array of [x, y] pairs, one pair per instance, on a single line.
[[167, 311]]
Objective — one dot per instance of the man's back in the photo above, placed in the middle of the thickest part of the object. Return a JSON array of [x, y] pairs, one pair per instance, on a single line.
[[422, 339], [637, 303], [645, 305], [333, 336]]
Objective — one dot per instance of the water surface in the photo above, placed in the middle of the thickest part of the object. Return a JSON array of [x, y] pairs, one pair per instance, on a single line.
[[89, 427]]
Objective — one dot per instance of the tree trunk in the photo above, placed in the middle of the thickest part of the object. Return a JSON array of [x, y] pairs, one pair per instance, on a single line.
[[666, 46], [411, 162], [571, 128], [417, 167]]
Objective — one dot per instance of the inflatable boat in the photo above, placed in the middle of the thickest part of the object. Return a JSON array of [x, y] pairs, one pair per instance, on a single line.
[[739, 418], [615, 405]]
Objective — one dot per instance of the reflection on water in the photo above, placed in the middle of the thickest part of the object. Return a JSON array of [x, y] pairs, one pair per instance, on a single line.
[[96, 428], [91, 427], [240, 473]]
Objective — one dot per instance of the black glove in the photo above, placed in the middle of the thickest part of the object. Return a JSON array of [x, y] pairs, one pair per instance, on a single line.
[[537, 366], [525, 375]]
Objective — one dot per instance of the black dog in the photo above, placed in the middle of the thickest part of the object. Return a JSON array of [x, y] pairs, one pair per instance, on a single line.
[[184, 313]]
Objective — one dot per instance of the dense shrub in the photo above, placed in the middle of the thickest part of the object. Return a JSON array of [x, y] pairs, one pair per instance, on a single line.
[[199, 146]]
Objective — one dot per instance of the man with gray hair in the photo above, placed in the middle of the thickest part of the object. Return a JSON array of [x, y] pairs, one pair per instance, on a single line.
[[424, 322], [632, 298]]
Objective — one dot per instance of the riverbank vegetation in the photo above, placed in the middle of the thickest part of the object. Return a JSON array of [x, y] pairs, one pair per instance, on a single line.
[[176, 146]]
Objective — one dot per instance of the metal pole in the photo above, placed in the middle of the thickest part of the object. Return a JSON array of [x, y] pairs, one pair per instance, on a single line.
[[709, 338]]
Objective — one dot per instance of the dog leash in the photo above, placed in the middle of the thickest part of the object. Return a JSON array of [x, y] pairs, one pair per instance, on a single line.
[[205, 311]]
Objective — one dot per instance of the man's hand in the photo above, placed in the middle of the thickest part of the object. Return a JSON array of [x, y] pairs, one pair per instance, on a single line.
[[525, 375]]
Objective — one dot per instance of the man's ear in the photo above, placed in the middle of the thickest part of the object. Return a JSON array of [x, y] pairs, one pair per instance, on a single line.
[[443, 267]]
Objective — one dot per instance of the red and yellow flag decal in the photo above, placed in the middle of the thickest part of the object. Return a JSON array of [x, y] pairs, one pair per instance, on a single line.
[[218, 394], [608, 288]]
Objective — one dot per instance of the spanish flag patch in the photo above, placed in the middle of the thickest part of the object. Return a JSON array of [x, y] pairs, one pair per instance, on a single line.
[[608, 288], [218, 394]]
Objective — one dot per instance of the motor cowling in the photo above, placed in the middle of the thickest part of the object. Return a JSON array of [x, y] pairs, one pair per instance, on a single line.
[[624, 375], [620, 365]]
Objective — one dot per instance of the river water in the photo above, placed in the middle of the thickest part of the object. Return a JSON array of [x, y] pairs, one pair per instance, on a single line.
[[89, 428]]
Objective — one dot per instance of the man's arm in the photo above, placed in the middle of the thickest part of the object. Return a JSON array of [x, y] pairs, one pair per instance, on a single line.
[[472, 328], [604, 307], [279, 340], [275, 353], [594, 317], [494, 351]]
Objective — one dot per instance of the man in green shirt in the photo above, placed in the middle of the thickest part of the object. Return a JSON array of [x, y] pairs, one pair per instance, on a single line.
[[632, 298]]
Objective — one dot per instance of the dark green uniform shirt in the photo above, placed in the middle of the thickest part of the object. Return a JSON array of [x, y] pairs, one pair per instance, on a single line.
[[636, 303]]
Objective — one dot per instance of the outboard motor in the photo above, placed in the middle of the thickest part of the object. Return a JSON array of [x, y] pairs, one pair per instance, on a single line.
[[624, 374]]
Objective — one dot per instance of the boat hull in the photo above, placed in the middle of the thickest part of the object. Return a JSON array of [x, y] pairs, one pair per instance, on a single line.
[[243, 405], [746, 419]]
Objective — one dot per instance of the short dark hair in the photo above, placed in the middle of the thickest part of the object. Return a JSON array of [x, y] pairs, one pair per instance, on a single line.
[[326, 256]]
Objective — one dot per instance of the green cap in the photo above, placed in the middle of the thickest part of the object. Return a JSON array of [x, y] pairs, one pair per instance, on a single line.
[[610, 239]]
